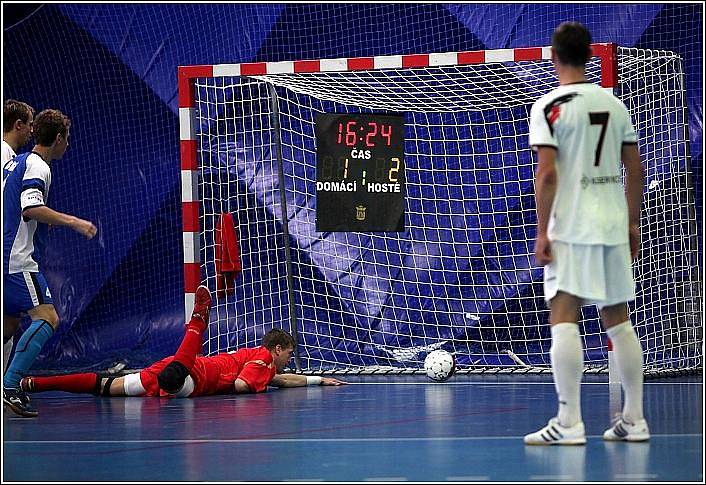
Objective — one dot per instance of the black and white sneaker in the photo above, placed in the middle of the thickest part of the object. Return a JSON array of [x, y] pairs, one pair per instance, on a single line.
[[556, 434], [18, 401], [625, 431]]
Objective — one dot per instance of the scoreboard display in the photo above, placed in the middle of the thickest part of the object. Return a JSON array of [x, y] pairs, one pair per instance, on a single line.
[[360, 179]]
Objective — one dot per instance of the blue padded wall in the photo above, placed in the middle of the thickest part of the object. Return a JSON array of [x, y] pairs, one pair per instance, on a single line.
[[112, 68]]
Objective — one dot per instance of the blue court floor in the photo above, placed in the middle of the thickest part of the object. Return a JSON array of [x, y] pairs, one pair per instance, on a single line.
[[375, 429]]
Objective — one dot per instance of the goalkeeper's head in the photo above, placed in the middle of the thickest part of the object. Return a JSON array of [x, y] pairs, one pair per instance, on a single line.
[[571, 43], [281, 346]]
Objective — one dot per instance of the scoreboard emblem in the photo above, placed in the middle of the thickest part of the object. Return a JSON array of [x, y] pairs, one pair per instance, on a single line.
[[360, 212]]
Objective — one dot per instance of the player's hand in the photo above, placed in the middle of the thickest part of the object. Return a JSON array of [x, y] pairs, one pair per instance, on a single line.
[[330, 381], [542, 250], [85, 228], [634, 232]]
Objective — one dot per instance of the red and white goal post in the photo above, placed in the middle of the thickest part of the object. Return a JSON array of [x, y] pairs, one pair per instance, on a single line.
[[461, 275]]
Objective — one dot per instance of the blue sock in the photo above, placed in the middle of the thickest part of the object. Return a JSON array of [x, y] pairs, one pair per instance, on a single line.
[[26, 350]]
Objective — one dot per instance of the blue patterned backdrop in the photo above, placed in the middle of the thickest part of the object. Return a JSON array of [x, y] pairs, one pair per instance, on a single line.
[[112, 68]]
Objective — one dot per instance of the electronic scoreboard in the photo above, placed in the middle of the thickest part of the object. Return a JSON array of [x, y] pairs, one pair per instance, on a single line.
[[360, 178]]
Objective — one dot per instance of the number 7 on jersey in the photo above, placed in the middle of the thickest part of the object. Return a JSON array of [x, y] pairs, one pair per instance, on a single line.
[[600, 118]]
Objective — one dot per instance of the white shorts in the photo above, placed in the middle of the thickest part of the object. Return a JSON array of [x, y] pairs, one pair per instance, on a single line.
[[599, 275]]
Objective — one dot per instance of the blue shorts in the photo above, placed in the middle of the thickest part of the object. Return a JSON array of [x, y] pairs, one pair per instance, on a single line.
[[24, 291]]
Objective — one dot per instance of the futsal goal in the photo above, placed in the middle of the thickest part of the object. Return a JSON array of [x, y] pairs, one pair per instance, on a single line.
[[383, 207]]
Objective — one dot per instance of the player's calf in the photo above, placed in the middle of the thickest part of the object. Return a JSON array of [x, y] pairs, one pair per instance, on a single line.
[[89, 382]]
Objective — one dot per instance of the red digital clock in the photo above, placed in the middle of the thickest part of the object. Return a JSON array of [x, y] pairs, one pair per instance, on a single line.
[[372, 133]]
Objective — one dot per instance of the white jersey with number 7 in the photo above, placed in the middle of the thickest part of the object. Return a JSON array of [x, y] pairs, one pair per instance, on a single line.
[[588, 126]]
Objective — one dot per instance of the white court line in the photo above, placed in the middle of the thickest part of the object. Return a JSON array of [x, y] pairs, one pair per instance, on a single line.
[[480, 478], [634, 476], [386, 479], [548, 383], [551, 477], [309, 440]]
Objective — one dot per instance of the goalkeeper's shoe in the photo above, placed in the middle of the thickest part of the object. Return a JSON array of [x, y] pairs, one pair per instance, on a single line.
[[27, 385], [556, 434], [624, 431], [202, 305], [18, 401]]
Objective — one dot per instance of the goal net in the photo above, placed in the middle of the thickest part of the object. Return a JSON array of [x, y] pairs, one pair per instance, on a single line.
[[461, 275]]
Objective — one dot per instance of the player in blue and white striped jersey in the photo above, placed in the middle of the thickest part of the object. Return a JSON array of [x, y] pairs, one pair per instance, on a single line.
[[25, 185], [17, 121]]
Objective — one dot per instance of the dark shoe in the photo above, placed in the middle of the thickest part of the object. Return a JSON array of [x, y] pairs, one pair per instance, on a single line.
[[18, 401], [202, 305], [27, 385]]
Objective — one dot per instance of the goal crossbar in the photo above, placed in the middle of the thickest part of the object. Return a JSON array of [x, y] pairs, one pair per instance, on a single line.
[[606, 52]]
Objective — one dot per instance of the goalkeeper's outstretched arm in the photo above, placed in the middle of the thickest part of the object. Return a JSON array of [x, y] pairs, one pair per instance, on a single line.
[[298, 380]]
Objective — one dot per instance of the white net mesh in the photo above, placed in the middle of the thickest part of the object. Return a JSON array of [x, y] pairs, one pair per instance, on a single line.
[[461, 276]]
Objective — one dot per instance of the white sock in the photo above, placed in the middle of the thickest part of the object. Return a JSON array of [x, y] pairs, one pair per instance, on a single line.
[[628, 360], [6, 351], [567, 366]]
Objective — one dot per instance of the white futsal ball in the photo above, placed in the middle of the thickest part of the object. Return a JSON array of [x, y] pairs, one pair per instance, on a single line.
[[439, 365]]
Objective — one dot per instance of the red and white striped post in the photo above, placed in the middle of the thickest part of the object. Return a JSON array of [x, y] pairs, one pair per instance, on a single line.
[[608, 53], [190, 201]]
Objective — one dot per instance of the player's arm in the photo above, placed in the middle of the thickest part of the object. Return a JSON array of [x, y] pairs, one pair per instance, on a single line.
[[32, 200], [543, 140], [241, 387], [46, 215], [634, 186], [545, 191], [298, 380]]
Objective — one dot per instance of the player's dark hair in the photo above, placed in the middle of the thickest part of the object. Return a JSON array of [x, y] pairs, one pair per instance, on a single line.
[[48, 124], [572, 43], [276, 337], [15, 110]]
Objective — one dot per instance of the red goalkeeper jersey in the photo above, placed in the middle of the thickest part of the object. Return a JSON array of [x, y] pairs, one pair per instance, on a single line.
[[216, 374]]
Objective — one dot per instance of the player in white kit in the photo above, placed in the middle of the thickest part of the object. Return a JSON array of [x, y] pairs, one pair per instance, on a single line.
[[17, 131], [587, 233]]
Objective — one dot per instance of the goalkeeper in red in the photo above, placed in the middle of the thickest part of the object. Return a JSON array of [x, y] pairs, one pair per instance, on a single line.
[[587, 233], [187, 375]]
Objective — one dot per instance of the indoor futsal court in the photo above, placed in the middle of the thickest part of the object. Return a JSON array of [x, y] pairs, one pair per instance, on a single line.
[[214, 212], [468, 429]]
